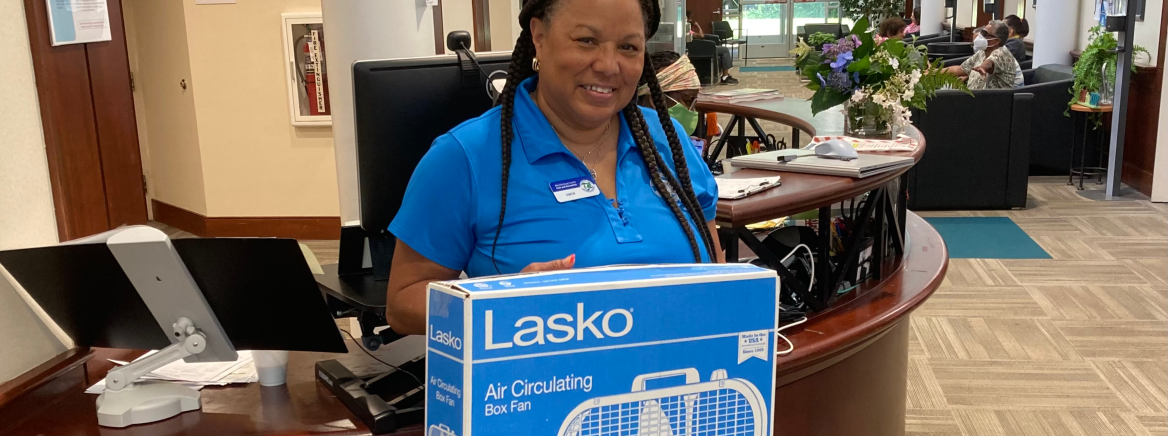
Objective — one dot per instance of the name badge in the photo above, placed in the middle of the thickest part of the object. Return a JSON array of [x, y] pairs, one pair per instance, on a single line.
[[574, 189]]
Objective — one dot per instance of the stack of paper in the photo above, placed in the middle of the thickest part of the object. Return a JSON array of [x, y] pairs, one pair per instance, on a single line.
[[901, 143], [196, 375], [741, 95]]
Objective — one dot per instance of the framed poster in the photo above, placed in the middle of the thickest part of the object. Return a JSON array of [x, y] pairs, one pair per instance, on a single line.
[[305, 62], [78, 21]]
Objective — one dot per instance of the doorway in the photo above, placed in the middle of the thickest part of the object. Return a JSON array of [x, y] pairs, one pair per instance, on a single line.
[[91, 135]]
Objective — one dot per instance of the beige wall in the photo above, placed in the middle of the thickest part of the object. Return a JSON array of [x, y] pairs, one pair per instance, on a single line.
[[156, 37], [457, 15], [1147, 31], [226, 147], [26, 201], [255, 163], [502, 38]]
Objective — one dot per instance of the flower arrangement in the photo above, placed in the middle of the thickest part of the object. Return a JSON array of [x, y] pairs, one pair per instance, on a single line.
[[877, 83]]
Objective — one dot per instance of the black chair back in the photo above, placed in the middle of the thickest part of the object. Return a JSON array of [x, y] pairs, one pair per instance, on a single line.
[[704, 56], [722, 29], [947, 48]]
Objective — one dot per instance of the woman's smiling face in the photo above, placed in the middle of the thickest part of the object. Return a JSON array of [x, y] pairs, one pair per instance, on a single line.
[[591, 55]]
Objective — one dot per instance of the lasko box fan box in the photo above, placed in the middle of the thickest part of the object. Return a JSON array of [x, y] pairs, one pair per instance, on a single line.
[[647, 350]]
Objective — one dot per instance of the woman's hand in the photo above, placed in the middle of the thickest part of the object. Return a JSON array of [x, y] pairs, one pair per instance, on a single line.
[[555, 265]]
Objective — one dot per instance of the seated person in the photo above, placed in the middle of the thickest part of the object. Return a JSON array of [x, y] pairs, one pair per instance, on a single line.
[[1019, 28], [680, 86], [914, 28], [990, 67], [725, 61], [891, 28]]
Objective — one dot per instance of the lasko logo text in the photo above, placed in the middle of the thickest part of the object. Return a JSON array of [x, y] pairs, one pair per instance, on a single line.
[[445, 338], [532, 330]]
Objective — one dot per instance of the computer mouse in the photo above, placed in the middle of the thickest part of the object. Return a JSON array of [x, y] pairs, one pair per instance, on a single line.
[[837, 148]]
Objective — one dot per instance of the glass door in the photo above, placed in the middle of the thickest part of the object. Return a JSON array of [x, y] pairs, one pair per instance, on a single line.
[[818, 12], [766, 27]]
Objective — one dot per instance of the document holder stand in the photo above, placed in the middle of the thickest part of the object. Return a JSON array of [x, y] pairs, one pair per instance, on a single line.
[[193, 299]]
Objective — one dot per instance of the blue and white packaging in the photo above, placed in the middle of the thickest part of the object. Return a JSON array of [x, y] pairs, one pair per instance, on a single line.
[[645, 350]]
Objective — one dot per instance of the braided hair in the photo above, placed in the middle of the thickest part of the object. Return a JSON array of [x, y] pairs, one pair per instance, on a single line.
[[673, 189]]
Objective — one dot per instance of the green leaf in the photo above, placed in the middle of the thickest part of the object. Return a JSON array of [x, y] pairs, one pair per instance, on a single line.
[[826, 98], [860, 66], [895, 48], [861, 26]]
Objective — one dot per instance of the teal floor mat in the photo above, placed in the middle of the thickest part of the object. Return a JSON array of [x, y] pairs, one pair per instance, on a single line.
[[986, 238]]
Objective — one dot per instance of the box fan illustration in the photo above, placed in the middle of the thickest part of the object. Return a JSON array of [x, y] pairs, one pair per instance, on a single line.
[[439, 430], [721, 406]]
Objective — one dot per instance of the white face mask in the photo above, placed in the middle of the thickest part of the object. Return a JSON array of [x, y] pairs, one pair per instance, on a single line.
[[980, 43]]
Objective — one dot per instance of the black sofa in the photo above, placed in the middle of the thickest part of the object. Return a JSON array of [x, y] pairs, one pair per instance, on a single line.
[[1052, 133], [1024, 65], [978, 151]]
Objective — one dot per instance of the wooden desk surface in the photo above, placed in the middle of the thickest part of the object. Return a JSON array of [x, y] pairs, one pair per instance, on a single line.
[[799, 192], [302, 406]]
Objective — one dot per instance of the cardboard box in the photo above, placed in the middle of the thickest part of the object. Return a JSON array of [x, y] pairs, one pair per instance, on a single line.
[[647, 350]]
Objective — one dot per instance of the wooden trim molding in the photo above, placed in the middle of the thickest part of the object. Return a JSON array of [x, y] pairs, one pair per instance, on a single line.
[[258, 227], [482, 25], [41, 386]]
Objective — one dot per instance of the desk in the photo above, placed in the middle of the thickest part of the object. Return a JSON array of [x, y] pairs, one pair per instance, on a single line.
[[848, 374], [802, 192], [302, 406]]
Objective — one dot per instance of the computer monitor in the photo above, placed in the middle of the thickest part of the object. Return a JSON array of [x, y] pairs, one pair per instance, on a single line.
[[400, 107]]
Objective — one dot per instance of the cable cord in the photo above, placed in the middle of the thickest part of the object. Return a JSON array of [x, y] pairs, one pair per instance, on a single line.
[[790, 346], [398, 368], [811, 257]]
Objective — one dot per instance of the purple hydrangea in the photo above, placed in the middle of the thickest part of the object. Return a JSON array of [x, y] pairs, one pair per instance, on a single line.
[[841, 81], [841, 60]]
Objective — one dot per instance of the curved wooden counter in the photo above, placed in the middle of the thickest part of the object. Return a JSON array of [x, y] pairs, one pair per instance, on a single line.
[[799, 192], [848, 372]]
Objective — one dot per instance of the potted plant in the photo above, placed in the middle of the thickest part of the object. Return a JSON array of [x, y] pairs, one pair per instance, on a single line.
[[818, 39], [1095, 71], [876, 83]]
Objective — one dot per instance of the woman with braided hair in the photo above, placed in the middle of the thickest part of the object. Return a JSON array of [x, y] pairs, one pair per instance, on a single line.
[[566, 172]]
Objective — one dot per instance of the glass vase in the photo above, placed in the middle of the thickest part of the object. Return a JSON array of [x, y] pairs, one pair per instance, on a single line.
[[866, 119], [1107, 86]]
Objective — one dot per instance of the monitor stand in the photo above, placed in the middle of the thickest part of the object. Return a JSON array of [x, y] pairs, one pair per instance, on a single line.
[[127, 401], [384, 402]]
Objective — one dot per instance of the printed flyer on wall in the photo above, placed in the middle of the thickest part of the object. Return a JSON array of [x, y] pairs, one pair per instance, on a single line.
[[78, 21]]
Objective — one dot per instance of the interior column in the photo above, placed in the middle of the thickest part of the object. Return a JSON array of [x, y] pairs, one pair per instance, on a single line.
[[1056, 37], [366, 30]]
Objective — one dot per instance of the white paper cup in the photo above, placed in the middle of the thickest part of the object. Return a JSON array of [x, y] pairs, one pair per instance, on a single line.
[[271, 367]]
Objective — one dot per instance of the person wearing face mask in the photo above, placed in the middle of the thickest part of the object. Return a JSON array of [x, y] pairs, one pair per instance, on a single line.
[[679, 81], [990, 67]]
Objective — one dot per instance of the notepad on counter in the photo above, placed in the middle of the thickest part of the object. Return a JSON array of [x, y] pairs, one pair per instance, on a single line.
[[733, 189]]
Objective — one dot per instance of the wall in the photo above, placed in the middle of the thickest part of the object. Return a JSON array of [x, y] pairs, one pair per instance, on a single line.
[[26, 202], [156, 36], [1147, 31], [255, 163], [502, 36], [457, 15], [965, 12]]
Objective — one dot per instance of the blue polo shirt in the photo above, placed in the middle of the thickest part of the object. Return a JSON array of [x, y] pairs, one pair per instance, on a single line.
[[451, 207]]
